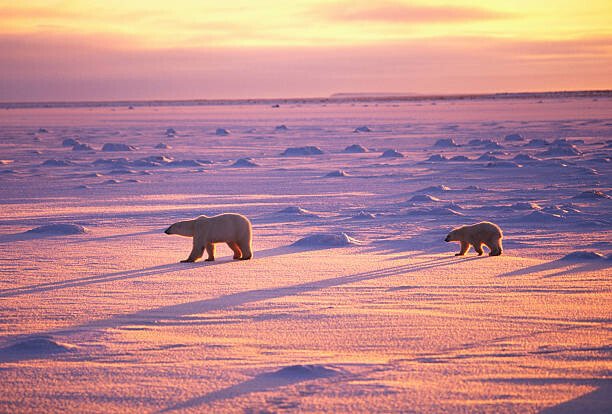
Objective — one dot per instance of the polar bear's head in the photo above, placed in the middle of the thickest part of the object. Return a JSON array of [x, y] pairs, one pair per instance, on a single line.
[[454, 235], [182, 228]]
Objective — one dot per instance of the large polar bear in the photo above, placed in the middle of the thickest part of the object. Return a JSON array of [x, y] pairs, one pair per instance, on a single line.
[[485, 232], [233, 229]]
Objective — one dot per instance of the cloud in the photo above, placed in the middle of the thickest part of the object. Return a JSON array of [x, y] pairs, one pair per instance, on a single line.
[[396, 12]]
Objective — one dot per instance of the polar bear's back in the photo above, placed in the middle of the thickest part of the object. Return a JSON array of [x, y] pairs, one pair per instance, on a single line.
[[485, 228], [225, 227]]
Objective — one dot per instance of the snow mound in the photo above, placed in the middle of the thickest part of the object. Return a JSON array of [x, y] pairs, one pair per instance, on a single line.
[[222, 132], [561, 151], [121, 171], [185, 163], [445, 143], [42, 131], [303, 372], [362, 215], [503, 164], [561, 210], [326, 240], [434, 188], [487, 157], [302, 151], [281, 128], [486, 143], [583, 255], [57, 163], [513, 137], [297, 211], [459, 158], [111, 162], [170, 132], [525, 158], [564, 142], [524, 205], [161, 145], [391, 153], [40, 346], [355, 149], [537, 143], [153, 161], [542, 217], [437, 158], [424, 198], [337, 173], [435, 211], [82, 147], [5, 162], [592, 195], [475, 142], [362, 129], [70, 142], [109, 146], [58, 229], [245, 162]]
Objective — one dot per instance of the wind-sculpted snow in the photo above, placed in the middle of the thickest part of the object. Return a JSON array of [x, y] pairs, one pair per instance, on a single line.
[[58, 229], [326, 240], [352, 302]]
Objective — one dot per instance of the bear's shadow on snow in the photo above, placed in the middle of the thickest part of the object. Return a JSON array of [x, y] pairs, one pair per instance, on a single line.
[[237, 299], [226, 302], [129, 274], [120, 236], [266, 381], [553, 268], [596, 402], [429, 242]]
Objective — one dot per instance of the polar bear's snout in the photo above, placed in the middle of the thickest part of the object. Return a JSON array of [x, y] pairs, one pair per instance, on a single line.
[[447, 239], [167, 231]]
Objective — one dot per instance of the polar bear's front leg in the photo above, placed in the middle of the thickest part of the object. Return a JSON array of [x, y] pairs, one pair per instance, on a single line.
[[196, 252], [464, 248]]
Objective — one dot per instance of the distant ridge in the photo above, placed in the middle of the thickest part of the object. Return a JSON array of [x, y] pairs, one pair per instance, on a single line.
[[353, 95], [335, 98]]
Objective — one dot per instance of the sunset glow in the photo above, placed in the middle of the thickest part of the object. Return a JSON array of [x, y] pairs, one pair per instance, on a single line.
[[202, 49]]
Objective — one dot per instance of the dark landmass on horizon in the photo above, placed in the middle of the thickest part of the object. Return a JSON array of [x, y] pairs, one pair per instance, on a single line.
[[334, 98]]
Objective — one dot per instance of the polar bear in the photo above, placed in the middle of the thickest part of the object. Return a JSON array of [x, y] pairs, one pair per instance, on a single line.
[[485, 232], [233, 229]]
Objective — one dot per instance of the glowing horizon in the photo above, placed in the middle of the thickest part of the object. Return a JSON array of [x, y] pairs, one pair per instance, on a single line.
[[204, 49]]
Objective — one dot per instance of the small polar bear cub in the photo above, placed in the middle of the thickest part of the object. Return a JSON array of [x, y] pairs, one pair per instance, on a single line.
[[478, 234], [233, 229]]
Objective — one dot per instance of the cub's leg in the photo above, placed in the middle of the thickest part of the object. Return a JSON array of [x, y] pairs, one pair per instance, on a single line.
[[478, 248], [245, 247], [210, 249], [464, 248], [196, 252], [235, 248], [495, 247]]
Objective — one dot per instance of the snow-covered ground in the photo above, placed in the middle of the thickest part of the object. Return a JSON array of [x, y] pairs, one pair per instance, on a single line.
[[353, 301]]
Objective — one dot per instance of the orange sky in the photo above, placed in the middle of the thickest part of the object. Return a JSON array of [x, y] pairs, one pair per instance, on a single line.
[[100, 50]]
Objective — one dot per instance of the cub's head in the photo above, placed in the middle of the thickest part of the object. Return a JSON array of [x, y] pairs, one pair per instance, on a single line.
[[182, 228], [454, 235]]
